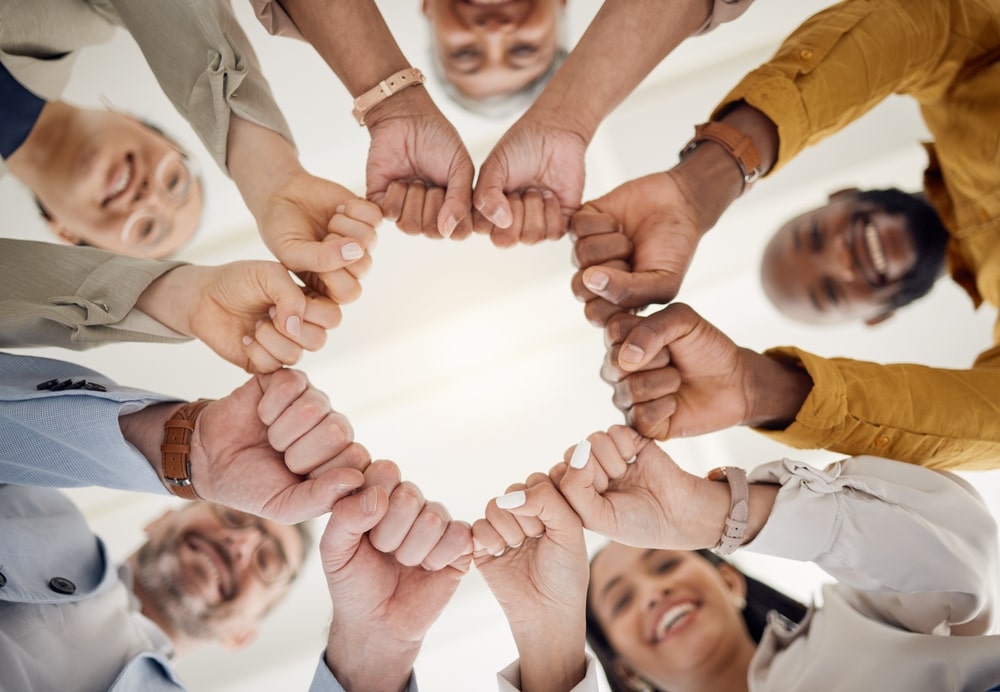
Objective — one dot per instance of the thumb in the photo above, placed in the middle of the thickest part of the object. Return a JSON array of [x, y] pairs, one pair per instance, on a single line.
[[457, 198], [301, 253], [489, 197], [654, 333], [635, 289], [577, 485], [288, 300], [542, 501], [310, 498], [350, 518]]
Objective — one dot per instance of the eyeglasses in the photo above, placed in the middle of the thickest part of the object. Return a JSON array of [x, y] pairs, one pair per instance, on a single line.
[[269, 560], [174, 181]]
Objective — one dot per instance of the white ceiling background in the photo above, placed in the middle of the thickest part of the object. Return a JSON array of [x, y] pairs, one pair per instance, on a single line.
[[472, 366]]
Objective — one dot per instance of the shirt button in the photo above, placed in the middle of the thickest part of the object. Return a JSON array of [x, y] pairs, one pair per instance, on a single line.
[[806, 54], [62, 585], [881, 441]]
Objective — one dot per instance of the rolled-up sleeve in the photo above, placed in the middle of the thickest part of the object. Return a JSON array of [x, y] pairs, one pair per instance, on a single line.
[[76, 297], [842, 62], [935, 417], [204, 64], [915, 545]]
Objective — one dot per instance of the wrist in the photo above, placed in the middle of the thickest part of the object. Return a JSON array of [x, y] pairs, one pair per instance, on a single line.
[[171, 298], [562, 106], [413, 101], [144, 431], [776, 391], [369, 664]]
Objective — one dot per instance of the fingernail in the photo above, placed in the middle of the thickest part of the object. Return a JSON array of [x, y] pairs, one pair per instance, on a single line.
[[272, 311], [511, 500], [596, 281], [351, 251], [631, 354], [502, 218], [631, 460], [341, 208], [547, 194], [500, 554], [449, 226], [580, 455], [247, 341], [369, 501], [293, 325]]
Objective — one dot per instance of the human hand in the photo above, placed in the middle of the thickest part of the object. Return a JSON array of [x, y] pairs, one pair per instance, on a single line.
[[420, 173], [252, 313], [322, 232], [676, 375], [626, 488], [534, 559], [275, 448], [634, 245], [530, 184], [392, 563]]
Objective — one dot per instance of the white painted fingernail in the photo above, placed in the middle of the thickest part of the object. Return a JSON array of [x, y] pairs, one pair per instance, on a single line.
[[511, 500], [631, 460], [500, 554], [351, 251], [580, 455]]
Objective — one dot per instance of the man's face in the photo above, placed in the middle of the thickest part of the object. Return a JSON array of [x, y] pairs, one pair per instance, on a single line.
[[838, 263], [212, 572], [490, 48], [120, 186]]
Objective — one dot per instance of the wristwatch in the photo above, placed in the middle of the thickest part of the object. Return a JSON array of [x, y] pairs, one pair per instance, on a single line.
[[737, 144], [739, 508]]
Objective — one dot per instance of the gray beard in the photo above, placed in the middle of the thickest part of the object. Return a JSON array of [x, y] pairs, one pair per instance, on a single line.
[[159, 574]]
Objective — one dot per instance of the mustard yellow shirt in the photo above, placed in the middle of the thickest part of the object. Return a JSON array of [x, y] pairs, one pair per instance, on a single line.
[[830, 71]]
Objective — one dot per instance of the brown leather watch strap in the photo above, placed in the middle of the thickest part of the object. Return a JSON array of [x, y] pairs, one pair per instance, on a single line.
[[737, 144], [176, 449]]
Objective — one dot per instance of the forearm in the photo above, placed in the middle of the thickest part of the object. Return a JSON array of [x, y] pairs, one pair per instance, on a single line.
[[354, 40], [549, 661], [605, 66], [709, 176], [260, 161], [364, 662], [914, 413]]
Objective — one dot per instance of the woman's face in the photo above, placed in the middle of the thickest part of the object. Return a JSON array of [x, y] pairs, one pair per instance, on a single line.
[[488, 48], [670, 616]]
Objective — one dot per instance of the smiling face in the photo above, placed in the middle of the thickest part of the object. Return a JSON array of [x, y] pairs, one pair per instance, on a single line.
[[492, 48], [841, 262], [668, 615], [209, 572], [119, 185]]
